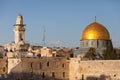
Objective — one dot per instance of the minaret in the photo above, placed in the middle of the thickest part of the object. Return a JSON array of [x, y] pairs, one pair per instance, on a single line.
[[19, 30]]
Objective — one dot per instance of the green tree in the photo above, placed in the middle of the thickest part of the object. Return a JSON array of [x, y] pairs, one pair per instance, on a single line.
[[109, 53], [90, 54]]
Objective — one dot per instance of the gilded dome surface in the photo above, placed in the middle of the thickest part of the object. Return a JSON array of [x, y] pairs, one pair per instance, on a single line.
[[95, 31]]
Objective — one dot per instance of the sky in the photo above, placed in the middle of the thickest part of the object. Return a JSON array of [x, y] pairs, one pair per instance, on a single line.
[[64, 20]]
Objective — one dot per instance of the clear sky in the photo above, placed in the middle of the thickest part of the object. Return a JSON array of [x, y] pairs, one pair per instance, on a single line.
[[64, 19]]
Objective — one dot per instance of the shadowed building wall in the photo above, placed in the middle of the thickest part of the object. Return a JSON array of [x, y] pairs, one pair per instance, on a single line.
[[41, 68]]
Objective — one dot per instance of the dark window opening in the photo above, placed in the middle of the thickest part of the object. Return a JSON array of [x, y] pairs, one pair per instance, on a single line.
[[63, 74], [53, 74], [21, 37], [71, 55], [39, 55], [97, 43], [40, 65], [3, 69], [53, 55], [82, 77], [43, 75], [48, 64], [63, 65]]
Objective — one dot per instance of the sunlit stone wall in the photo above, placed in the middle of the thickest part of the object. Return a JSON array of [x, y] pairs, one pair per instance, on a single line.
[[107, 69]]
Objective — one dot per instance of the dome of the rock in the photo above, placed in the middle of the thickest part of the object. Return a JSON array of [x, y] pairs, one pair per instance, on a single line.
[[95, 31]]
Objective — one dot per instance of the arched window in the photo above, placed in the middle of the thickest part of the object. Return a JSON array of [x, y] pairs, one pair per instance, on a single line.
[[92, 43], [97, 43]]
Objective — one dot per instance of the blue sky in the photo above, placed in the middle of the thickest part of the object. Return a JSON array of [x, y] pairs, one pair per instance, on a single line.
[[64, 19]]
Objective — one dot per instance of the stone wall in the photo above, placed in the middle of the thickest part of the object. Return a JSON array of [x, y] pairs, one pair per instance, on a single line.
[[3, 66], [44, 68], [95, 69], [12, 62]]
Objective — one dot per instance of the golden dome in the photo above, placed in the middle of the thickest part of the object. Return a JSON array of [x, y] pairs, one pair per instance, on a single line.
[[95, 31]]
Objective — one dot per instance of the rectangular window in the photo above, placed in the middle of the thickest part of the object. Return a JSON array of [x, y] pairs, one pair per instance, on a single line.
[[40, 65], [31, 65], [43, 75], [53, 74], [3, 69], [63, 65], [48, 64], [63, 74]]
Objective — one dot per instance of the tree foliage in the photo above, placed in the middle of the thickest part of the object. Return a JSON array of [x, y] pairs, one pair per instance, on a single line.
[[90, 54], [110, 53]]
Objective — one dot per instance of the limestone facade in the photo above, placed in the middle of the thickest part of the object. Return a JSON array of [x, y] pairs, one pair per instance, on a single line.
[[3, 67], [19, 30], [12, 62], [47, 52], [94, 69], [2, 53], [59, 68], [44, 68]]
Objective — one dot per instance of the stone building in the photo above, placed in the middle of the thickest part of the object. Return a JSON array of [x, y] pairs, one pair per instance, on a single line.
[[3, 68], [2, 53], [95, 35], [44, 68], [94, 69], [19, 35], [53, 64], [19, 30]]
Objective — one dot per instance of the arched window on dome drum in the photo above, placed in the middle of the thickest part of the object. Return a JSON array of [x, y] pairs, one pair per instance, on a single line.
[[86, 43], [92, 43], [83, 43], [103, 43], [97, 43]]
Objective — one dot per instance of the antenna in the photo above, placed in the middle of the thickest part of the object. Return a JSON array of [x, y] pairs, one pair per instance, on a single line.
[[44, 35]]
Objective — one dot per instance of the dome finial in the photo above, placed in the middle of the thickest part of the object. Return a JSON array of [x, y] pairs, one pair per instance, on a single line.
[[95, 18]]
